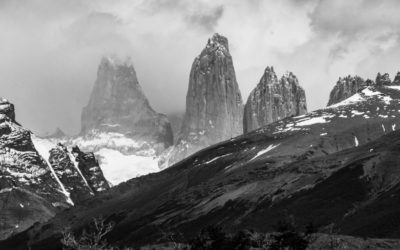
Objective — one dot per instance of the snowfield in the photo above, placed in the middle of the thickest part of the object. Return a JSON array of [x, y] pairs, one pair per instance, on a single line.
[[118, 168]]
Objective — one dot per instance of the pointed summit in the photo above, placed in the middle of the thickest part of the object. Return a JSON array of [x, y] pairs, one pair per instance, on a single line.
[[118, 104], [273, 100], [214, 108]]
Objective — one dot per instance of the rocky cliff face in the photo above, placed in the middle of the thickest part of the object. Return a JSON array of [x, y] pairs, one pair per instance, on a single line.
[[90, 169], [29, 192], [118, 104], [273, 100], [35, 180], [214, 107]]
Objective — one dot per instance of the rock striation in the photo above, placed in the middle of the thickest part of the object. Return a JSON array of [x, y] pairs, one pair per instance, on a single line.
[[118, 104], [214, 108], [273, 100]]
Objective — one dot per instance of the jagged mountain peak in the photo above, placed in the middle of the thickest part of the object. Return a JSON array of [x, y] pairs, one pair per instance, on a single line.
[[214, 107], [7, 108], [218, 40], [269, 76], [273, 99], [118, 104]]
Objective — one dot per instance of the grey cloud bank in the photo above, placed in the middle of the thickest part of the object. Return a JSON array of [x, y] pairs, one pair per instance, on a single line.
[[50, 50]]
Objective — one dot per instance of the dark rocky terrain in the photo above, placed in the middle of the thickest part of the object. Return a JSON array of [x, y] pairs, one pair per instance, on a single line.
[[214, 109], [34, 184], [333, 167], [117, 104], [273, 100]]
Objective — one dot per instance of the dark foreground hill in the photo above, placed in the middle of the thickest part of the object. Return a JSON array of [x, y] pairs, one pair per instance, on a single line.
[[336, 167]]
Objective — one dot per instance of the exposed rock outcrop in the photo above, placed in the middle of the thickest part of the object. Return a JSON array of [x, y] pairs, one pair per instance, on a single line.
[[273, 100], [118, 104], [68, 173], [349, 85], [344, 88], [36, 181], [396, 80], [29, 192], [382, 80], [214, 108], [90, 170]]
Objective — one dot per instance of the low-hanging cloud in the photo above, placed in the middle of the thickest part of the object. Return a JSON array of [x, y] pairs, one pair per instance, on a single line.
[[51, 49]]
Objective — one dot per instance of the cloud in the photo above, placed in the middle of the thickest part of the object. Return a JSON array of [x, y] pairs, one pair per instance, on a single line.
[[207, 20], [51, 49]]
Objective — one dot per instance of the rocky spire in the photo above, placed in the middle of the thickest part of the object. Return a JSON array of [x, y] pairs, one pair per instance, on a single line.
[[346, 87], [213, 101], [214, 108], [118, 104], [273, 100]]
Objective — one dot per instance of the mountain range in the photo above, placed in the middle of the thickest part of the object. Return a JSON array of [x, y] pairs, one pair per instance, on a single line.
[[232, 165]]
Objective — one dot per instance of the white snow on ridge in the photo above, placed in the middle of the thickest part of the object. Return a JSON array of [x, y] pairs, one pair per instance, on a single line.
[[313, 120], [118, 167], [369, 92], [72, 158], [261, 152], [42, 146], [365, 93], [216, 158], [351, 100]]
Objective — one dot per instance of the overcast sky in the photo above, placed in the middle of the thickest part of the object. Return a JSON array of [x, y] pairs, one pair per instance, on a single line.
[[50, 50]]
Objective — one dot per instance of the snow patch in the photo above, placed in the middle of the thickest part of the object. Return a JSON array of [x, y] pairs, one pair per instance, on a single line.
[[351, 100], [118, 167], [261, 152], [73, 159], [216, 158], [356, 141], [313, 120]]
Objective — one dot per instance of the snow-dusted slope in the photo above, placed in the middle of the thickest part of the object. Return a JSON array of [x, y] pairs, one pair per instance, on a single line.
[[121, 158], [334, 166]]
